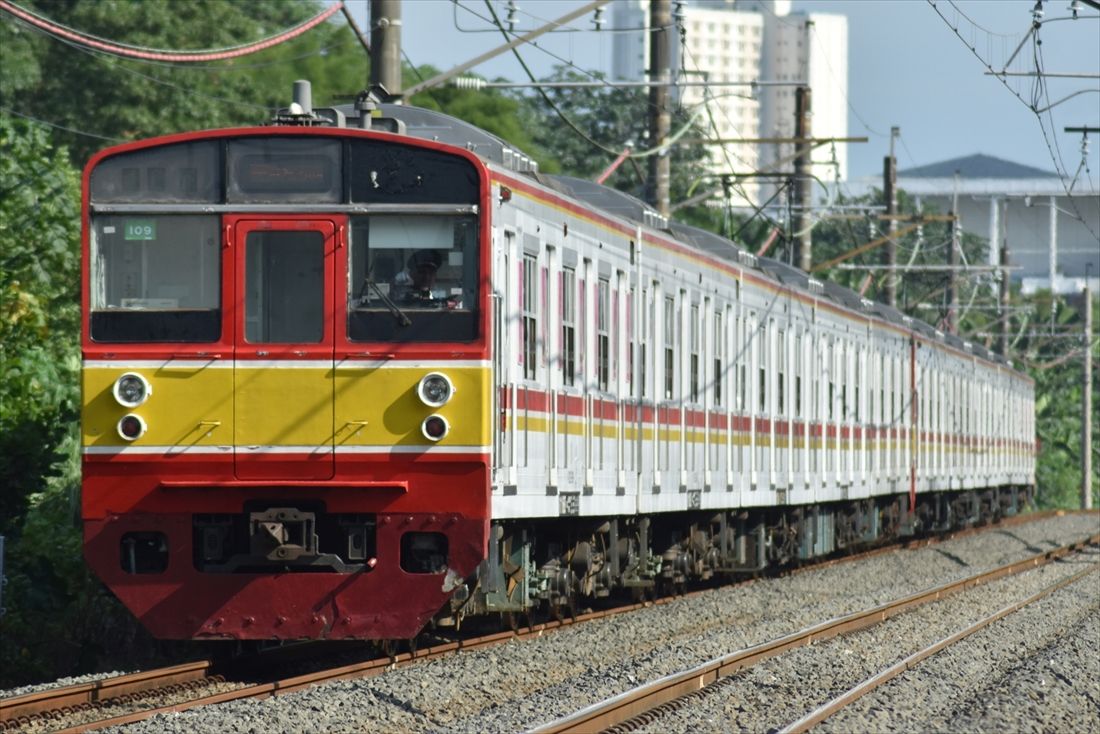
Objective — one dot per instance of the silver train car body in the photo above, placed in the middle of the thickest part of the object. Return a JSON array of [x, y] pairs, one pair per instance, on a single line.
[[667, 406]]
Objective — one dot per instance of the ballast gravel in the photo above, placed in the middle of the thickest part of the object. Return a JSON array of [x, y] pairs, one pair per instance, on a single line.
[[59, 683], [1037, 670], [520, 685], [777, 692]]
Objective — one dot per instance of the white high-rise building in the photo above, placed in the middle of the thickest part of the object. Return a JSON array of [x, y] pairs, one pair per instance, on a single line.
[[744, 41], [811, 47]]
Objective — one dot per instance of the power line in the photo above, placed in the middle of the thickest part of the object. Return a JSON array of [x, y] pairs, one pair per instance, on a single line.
[[10, 111], [1039, 90], [542, 93], [117, 48], [109, 59], [542, 21], [534, 44]]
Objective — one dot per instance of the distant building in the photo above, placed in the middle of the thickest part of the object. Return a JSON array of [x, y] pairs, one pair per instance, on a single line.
[[1024, 209], [751, 40]]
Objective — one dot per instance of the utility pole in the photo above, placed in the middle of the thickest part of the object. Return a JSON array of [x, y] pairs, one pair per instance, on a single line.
[[953, 261], [660, 117], [1006, 292], [803, 184], [890, 194], [1086, 407], [385, 42]]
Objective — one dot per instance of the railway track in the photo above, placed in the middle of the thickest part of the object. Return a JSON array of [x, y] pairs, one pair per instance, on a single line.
[[644, 705], [138, 696]]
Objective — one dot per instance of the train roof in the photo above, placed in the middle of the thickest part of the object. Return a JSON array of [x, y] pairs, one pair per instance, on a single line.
[[437, 126]]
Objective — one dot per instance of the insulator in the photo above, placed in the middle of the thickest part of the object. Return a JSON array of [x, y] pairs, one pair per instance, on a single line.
[[511, 19], [469, 82]]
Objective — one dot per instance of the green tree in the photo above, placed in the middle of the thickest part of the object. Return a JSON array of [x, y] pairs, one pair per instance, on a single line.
[[128, 99], [1055, 363], [39, 393], [39, 311]]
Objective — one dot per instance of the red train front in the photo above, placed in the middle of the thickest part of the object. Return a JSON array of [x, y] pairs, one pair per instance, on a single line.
[[286, 380]]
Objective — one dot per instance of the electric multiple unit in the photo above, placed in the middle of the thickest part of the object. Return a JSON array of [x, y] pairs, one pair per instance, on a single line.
[[340, 381]]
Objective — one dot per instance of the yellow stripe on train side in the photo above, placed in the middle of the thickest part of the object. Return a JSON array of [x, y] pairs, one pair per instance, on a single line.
[[194, 406]]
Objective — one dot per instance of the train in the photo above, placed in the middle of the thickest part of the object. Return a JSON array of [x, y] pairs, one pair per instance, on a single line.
[[365, 369]]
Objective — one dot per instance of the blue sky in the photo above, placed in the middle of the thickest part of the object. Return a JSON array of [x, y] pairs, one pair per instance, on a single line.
[[906, 68]]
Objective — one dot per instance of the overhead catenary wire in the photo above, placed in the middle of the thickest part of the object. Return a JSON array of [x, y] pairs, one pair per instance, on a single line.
[[541, 20], [546, 98], [73, 130], [117, 48], [111, 61], [1038, 87], [535, 44]]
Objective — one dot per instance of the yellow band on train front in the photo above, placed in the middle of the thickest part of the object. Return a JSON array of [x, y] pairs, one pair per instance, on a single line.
[[272, 405]]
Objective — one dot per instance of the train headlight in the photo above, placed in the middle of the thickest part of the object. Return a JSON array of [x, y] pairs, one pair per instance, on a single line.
[[435, 427], [435, 389], [131, 390], [131, 427]]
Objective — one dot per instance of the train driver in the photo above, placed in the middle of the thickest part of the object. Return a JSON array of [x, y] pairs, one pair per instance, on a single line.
[[416, 284]]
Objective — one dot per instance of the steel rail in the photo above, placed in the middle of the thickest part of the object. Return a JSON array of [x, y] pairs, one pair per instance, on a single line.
[[57, 702], [637, 701], [80, 695], [856, 692], [364, 669]]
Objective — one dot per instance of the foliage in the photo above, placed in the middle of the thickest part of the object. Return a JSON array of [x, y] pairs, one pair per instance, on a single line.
[[39, 396], [129, 99], [1056, 366], [39, 311]]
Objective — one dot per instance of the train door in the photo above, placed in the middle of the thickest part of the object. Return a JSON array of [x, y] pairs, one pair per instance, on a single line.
[[285, 279]]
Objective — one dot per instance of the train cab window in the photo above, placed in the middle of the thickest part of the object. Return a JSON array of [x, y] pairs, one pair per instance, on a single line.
[[284, 287], [413, 278], [155, 278]]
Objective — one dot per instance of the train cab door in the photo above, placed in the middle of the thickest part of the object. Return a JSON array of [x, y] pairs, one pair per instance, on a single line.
[[284, 376]]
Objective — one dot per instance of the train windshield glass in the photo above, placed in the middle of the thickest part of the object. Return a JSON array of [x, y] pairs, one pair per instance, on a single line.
[[413, 277], [155, 278]]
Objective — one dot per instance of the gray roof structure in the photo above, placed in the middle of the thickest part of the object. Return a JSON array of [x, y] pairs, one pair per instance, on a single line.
[[978, 165]]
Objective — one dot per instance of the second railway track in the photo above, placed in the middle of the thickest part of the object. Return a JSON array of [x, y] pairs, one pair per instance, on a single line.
[[700, 698]]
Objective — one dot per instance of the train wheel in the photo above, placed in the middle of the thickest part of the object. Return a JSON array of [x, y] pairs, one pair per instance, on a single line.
[[389, 648], [565, 610], [510, 621]]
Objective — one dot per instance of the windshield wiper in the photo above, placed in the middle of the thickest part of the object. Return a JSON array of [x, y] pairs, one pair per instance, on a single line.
[[394, 309]]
